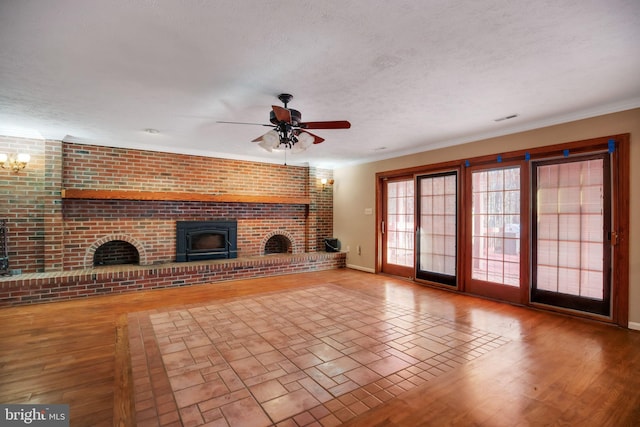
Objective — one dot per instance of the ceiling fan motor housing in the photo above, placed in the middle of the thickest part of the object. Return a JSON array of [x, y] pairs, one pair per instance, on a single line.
[[296, 117]]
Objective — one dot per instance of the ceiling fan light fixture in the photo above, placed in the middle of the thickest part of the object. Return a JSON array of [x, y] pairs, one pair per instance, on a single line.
[[269, 141], [298, 148], [265, 146], [272, 138], [305, 139]]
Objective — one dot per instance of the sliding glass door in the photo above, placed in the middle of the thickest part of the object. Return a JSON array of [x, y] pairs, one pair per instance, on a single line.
[[546, 227], [398, 227], [437, 213], [494, 241], [571, 234]]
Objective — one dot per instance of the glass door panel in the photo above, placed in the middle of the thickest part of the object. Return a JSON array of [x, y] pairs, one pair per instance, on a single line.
[[496, 226], [398, 228], [495, 233], [571, 254], [437, 228]]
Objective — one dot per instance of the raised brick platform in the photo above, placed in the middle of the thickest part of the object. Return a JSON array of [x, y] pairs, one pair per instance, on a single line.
[[35, 288]]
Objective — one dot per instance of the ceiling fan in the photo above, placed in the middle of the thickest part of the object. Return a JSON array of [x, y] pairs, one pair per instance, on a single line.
[[289, 131]]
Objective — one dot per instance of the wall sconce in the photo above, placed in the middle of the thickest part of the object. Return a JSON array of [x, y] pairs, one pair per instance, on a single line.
[[324, 182], [15, 163]]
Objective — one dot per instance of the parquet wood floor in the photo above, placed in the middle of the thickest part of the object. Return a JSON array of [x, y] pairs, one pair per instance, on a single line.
[[554, 370]]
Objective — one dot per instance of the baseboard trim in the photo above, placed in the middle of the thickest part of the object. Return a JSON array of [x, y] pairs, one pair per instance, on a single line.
[[634, 325], [357, 267]]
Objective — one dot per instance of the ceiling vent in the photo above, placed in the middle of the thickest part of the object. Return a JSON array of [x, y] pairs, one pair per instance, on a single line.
[[512, 116]]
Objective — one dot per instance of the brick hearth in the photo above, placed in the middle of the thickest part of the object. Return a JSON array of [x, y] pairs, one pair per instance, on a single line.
[[33, 288]]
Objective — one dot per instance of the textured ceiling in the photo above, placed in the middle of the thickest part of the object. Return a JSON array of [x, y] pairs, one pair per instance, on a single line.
[[409, 75]]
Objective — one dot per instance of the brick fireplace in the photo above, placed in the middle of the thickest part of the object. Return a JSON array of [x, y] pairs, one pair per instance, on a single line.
[[151, 226], [81, 198]]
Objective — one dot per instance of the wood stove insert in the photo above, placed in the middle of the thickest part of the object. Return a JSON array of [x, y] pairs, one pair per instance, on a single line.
[[205, 240]]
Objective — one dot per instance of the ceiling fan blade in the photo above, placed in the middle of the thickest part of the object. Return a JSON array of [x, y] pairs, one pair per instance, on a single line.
[[243, 123], [316, 138], [337, 124], [282, 114]]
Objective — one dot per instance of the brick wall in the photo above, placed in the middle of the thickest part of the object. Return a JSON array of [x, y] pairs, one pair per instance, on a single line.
[[322, 205], [153, 224], [106, 168], [48, 233], [22, 204]]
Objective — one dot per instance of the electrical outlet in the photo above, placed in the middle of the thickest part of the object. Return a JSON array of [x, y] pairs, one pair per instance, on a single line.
[[347, 249], [359, 250]]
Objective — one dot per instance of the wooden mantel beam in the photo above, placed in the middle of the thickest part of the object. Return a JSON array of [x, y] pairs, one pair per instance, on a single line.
[[71, 193]]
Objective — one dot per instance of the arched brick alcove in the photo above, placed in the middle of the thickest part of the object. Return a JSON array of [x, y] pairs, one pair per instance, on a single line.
[[279, 241], [91, 250], [116, 252]]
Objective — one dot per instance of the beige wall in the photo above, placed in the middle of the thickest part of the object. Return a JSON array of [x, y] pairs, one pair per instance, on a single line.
[[354, 189]]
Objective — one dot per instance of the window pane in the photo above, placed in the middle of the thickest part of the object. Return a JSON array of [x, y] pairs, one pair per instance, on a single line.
[[591, 284], [569, 227], [547, 278], [438, 210], [512, 202], [547, 226], [548, 253], [400, 223], [496, 226], [570, 236], [512, 180]]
